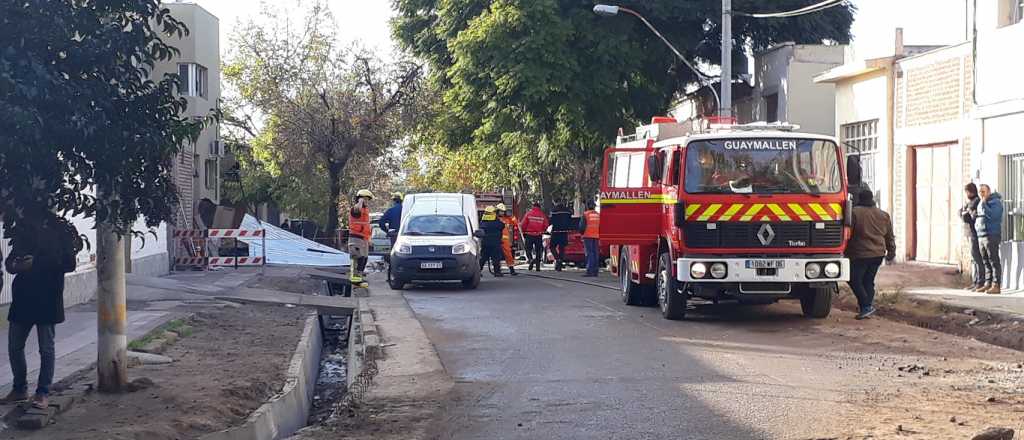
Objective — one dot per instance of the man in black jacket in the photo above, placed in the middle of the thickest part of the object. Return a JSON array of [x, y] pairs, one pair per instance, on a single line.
[[42, 253], [968, 214], [561, 225], [490, 245]]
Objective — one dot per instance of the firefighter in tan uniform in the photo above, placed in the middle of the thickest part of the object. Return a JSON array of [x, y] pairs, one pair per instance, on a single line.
[[360, 231]]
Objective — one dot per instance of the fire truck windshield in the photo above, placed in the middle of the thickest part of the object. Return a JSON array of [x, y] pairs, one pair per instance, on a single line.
[[762, 166]]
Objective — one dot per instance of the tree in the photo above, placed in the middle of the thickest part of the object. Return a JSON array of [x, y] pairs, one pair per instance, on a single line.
[[552, 78], [81, 112], [324, 105]]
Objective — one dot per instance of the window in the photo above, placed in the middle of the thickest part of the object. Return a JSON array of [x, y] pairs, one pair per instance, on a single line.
[[211, 174], [194, 80], [1010, 12], [771, 104], [1013, 197], [762, 166], [861, 139], [436, 225], [626, 169]]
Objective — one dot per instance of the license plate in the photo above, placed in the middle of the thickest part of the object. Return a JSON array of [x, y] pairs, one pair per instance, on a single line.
[[431, 265], [766, 264]]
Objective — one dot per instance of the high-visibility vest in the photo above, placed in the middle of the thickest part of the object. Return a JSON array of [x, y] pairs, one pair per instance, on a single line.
[[511, 224], [593, 224], [359, 226]]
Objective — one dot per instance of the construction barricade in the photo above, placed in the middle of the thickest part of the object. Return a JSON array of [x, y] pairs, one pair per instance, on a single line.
[[193, 246]]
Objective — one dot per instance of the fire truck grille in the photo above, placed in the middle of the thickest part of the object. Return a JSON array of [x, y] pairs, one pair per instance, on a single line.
[[758, 235]]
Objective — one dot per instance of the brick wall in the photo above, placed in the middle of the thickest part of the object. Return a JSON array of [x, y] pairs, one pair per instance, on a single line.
[[933, 93]]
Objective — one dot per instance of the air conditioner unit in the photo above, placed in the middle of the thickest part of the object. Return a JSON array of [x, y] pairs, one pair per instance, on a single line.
[[217, 148]]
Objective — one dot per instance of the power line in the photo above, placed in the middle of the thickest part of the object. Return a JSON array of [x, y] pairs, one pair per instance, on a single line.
[[797, 12]]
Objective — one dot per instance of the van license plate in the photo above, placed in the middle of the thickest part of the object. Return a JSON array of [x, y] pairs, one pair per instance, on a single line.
[[766, 264], [431, 265]]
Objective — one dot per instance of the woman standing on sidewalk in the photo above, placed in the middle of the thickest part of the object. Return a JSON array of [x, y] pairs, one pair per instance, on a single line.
[[872, 241], [968, 214]]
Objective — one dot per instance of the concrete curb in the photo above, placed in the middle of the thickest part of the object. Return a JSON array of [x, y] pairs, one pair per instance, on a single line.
[[288, 411], [363, 341]]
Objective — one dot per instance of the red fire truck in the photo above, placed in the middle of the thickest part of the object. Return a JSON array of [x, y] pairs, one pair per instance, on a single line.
[[754, 213]]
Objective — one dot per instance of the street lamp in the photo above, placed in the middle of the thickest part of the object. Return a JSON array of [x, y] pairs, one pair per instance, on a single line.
[[611, 10]]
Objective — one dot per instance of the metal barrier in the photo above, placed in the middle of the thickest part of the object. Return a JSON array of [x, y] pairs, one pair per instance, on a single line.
[[194, 243]]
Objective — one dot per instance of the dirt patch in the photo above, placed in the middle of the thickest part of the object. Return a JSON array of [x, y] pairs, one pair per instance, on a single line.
[[233, 362], [378, 419], [1001, 330], [294, 284]]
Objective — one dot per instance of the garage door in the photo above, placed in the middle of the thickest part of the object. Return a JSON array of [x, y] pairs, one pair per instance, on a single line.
[[937, 196]]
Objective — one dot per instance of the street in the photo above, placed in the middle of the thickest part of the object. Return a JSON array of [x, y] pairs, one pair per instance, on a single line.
[[542, 358]]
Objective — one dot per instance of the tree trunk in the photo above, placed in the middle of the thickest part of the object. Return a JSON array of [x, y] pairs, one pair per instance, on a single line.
[[334, 174], [112, 345], [546, 192]]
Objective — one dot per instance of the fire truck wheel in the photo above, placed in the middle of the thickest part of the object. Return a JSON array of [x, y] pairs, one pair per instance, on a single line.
[[671, 300], [630, 291], [817, 303]]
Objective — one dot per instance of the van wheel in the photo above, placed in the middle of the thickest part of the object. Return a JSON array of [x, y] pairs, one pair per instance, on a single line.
[[817, 303], [472, 283], [671, 300], [630, 291], [396, 284]]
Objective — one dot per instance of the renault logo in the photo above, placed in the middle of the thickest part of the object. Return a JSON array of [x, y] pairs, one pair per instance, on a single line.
[[432, 249], [766, 234]]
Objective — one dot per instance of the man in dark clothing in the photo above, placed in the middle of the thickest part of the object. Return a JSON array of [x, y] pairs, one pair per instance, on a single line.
[[490, 245], [872, 241], [41, 254], [561, 225], [989, 225], [392, 218], [968, 214]]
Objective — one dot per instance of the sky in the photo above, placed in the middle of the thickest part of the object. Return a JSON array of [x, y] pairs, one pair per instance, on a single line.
[[924, 21]]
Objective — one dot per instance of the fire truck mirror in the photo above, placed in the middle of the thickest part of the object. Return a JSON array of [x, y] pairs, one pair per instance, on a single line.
[[654, 167], [853, 170], [679, 214]]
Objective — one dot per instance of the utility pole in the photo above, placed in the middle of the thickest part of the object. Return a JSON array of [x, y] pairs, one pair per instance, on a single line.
[[725, 108], [111, 309]]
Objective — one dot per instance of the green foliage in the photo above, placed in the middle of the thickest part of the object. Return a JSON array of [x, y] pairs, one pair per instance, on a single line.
[[331, 113], [542, 85], [82, 110]]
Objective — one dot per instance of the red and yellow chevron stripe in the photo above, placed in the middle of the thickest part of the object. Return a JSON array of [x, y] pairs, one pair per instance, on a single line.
[[763, 212]]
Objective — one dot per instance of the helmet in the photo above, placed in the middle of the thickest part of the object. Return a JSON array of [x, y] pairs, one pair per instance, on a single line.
[[396, 196], [365, 193], [489, 209], [501, 207]]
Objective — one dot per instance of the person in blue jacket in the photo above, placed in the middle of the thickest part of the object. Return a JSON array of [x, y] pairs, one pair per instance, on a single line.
[[989, 225], [392, 218]]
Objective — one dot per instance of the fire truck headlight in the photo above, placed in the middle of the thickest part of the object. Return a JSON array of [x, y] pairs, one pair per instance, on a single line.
[[812, 270], [832, 270], [718, 270], [698, 270]]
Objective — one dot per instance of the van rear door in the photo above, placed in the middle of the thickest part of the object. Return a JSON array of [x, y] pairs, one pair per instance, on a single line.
[[631, 204]]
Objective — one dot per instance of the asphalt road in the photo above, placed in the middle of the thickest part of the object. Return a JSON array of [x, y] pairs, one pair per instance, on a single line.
[[545, 359]]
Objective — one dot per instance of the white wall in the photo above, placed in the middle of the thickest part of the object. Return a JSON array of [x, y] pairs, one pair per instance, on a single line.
[[865, 98]]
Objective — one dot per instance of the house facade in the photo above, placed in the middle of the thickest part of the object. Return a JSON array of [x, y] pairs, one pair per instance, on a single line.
[[782, 90], [997, 119]]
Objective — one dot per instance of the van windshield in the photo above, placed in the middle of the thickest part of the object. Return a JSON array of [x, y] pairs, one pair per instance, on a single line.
[[762, 166], [436, 225]]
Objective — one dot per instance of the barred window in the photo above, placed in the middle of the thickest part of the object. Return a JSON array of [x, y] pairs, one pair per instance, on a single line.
[[861, 139], [1013, 197]]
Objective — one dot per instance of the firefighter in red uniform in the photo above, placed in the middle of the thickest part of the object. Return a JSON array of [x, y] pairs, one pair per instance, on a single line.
[[534, 224], [508, 236], [590, 224], [360, 231]]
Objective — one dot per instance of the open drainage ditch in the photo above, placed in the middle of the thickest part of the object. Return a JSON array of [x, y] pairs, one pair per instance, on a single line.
[[332, 378]]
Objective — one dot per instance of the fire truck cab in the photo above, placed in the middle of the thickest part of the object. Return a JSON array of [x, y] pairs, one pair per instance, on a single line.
[[752, 213]]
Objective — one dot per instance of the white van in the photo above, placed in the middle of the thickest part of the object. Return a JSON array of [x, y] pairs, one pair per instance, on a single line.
[[436, 240]]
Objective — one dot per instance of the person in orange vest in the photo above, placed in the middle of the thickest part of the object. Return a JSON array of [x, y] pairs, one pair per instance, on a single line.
[[508, 236], [590, 224], [360, 231]]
